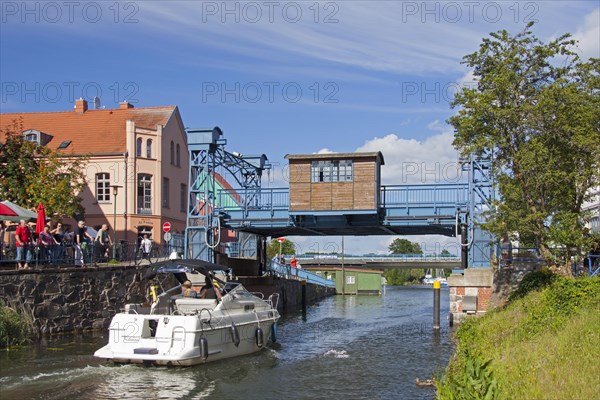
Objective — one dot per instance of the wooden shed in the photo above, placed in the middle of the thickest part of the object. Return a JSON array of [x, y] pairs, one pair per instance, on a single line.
[[335, 182]]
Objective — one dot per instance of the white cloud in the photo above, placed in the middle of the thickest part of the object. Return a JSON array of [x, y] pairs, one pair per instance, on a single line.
[[588, 36], [413, 161], [324, 151]]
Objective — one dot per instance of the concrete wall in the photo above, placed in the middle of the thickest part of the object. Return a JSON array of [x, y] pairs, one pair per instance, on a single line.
[[71, 299]]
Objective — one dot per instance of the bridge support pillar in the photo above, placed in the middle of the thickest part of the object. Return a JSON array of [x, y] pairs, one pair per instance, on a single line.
[[470, 293]]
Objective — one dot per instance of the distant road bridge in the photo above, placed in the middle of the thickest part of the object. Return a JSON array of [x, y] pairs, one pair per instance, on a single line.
[[405, 261]]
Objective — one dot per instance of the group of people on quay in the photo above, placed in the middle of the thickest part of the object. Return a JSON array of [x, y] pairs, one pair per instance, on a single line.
[[57, 244]]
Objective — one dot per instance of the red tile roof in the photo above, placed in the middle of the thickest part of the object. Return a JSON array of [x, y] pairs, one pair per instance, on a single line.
[[92, 131]]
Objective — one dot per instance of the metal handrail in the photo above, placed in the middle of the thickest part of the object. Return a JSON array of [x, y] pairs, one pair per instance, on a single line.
[[299, 274]]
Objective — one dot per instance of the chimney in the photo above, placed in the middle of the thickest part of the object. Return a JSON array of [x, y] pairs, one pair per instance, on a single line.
[[81, 106], [125, 105]]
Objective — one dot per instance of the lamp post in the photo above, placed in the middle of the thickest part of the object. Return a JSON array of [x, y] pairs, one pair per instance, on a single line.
[[115, 191]]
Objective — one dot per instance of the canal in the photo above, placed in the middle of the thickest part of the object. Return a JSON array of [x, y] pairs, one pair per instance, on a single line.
[[352, 347]]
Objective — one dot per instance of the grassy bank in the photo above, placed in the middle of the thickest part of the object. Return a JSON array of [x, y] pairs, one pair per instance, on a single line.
[[13, 327], [545, 344]]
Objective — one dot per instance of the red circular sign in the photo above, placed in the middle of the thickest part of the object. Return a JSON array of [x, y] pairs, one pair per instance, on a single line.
[[166, 227], [281, 239]]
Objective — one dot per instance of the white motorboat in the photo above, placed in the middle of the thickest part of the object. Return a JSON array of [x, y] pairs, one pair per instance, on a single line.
[[182, 331]]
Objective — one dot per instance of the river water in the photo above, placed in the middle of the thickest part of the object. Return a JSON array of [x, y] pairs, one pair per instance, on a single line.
[[345, 347]]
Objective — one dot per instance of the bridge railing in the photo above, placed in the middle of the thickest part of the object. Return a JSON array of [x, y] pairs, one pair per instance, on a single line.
[[269, 199], [299, 274], [423, 195], [391, 196], [380, 258]]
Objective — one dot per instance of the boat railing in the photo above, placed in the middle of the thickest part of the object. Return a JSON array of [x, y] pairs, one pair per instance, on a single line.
[[273, 300], [260, 295]]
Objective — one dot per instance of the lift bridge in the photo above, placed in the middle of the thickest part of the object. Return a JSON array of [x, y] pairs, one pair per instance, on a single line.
[[225, 194]]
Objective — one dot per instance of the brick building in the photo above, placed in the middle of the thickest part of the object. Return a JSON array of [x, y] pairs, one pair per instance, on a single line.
[[143, 151]]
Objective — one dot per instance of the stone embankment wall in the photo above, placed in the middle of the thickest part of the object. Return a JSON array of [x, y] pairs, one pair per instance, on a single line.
[[293, 293], [69, 300]]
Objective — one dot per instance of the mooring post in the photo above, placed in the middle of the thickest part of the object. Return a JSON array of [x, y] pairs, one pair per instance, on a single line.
[[436, 304], [303, 295]]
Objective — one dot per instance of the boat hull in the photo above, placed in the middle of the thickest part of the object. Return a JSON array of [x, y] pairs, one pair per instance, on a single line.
[[176, 340]]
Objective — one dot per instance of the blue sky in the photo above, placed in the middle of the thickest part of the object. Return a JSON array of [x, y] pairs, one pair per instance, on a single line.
[[278, 77]]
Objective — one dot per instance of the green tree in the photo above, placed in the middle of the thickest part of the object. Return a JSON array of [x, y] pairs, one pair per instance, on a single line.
[[536, 111], [404, 246], [446, 253], [287, 247], [33, 174]]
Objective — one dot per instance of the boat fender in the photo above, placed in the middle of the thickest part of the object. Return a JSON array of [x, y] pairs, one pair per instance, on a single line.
[[274, 332], [235, 335], [260, 337], [203, 348]]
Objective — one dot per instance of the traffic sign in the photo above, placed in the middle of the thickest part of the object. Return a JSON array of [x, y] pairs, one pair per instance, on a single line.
[[168, 236], [281, 239], [166, 227]]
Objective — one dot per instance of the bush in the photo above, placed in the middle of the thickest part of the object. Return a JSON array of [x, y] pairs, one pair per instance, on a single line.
[[533, 281], [517, 352], [13, 327]]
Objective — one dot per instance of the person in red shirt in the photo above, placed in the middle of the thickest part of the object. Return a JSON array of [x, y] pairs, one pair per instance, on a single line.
[[294, 262], [23, 238]]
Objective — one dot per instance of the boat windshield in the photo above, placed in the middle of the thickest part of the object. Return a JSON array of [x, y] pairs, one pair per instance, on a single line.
[[240, 290]]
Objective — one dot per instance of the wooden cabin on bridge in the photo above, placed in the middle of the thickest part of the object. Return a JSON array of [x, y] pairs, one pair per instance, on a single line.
[[335, 182]]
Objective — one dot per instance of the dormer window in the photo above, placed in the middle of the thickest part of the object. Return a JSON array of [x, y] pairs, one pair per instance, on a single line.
[[36, 136]]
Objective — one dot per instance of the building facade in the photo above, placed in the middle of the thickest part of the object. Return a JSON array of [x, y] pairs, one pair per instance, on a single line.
[[138, 163], [352, 280]]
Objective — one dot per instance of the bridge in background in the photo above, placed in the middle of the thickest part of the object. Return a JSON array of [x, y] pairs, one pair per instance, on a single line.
[[225, 192], [405, 261]]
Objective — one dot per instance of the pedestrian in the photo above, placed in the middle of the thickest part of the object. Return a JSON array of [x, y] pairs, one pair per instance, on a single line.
[[146, 247], [294, 262], [46, 243], [80, 242], [23, 238], [103, 240], [59, 237]]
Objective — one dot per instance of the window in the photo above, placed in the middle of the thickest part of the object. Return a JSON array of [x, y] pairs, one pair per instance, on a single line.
[[102, 187], [342, 171], [144, 194], [64, 144], [33, 135], [183, 198], [331, 171], [350, 280], [320, 171], [149, 148], [172, 153], [165, 193], [138, 147], [178, 156]]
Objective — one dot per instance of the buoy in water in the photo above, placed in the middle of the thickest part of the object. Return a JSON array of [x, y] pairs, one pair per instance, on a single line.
[[203, 348], [260, 339], [235, 335], [274, 332]]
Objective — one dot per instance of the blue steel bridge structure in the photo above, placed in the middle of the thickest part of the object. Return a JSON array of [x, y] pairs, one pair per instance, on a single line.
[[225, 191]]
